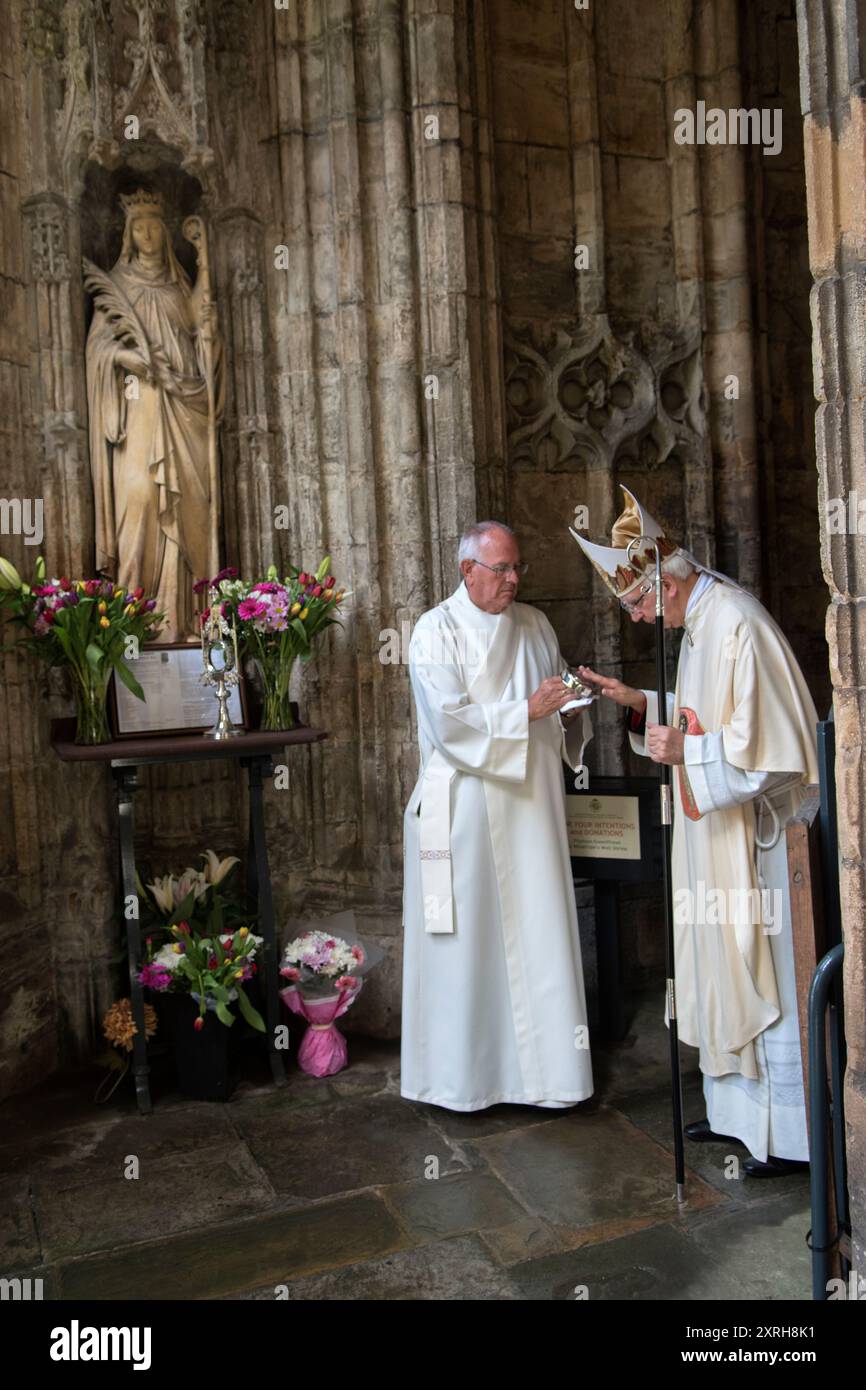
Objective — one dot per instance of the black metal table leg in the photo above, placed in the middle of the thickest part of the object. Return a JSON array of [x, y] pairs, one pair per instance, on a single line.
[[260, 879], [125, 782]]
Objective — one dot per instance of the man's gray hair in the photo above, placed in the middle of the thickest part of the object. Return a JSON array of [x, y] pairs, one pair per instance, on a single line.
[[677, 567], [470, 541]]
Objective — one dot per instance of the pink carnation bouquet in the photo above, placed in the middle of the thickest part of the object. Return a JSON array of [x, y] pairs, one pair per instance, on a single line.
[[323, 980], [276, 621]]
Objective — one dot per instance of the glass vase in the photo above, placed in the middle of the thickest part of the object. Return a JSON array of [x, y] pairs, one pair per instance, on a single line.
[[276, 678], [91, 711]]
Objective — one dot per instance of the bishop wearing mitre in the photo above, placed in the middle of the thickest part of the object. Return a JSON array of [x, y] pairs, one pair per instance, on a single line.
[[740, 733], [493, 996]]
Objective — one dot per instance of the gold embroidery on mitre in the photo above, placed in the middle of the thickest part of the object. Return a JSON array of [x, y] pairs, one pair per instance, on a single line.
[[625, 578]]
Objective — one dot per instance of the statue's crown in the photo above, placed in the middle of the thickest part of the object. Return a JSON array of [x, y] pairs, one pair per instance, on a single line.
[[142, 200]]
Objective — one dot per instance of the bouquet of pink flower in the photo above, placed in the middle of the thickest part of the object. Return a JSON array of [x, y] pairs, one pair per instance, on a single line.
[[323, 980], [276, 621], [315, 962], [86, 625]]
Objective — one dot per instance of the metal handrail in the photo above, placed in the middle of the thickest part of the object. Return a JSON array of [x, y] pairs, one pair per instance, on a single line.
[[823, 1241]]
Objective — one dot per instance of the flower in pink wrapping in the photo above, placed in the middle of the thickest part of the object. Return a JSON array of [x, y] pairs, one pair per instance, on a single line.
[[289, 972], [358, 953], [346, 982]]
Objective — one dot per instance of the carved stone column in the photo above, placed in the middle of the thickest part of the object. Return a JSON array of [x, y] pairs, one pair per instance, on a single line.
[[58, 377], [728, 348], [251, 489], [834, 110]]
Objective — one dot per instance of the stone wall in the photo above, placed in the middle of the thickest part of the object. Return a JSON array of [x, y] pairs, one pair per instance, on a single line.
[[430, 355]]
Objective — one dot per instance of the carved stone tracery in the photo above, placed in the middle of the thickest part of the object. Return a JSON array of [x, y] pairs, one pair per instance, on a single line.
[[573, 397]]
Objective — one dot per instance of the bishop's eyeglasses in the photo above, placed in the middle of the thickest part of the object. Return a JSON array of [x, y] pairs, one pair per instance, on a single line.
[[645, 589], [500, 570]]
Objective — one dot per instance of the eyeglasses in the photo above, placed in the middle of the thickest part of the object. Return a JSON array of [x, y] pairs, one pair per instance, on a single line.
[[633, 607], [500, 570]]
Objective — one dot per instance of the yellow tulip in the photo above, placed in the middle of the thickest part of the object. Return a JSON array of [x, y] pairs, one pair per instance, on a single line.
[[239, 974], [295, 608], [102, 605], [104, 622], [176, 948], [117, 593], [303, 613], [244, 931]]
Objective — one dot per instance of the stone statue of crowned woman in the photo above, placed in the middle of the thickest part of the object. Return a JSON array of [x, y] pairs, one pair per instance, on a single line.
[[155, 393]]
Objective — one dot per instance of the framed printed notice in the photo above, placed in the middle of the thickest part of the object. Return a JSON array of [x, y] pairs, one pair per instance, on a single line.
[[176, 699], [603, 827]]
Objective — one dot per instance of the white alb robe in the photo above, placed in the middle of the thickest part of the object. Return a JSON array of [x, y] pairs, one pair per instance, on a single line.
[[493, 997], [746, 1029]]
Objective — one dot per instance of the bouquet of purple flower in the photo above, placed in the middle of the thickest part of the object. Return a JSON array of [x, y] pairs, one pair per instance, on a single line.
[[276, 621], [86, 625]]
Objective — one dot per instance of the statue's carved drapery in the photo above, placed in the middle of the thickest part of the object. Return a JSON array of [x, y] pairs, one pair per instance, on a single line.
[[156, 390]]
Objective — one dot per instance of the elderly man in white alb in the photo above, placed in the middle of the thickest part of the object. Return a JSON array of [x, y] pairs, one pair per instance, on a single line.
[[743, 743], [493, 997]]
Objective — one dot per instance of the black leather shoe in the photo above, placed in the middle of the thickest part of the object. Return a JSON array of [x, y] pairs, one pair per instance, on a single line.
[[773, 1168], [700, 1133]]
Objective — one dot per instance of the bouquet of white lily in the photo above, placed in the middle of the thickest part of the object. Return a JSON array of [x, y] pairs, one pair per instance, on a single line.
[[208, 949]]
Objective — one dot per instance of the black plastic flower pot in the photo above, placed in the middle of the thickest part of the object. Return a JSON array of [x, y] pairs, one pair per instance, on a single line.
[[206, 1061]]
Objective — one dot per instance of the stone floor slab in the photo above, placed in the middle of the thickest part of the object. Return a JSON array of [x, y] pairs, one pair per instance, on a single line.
[[652, 1114], [657, 1265], [590, 1177], [175, 1193], [459, 1269], [219, 1260], [763, 1247], [348, 1146], [96, 1148], [19, 1242], [431, 1209]]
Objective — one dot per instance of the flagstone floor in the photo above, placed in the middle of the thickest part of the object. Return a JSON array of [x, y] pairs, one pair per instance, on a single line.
[[328, 1190]]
